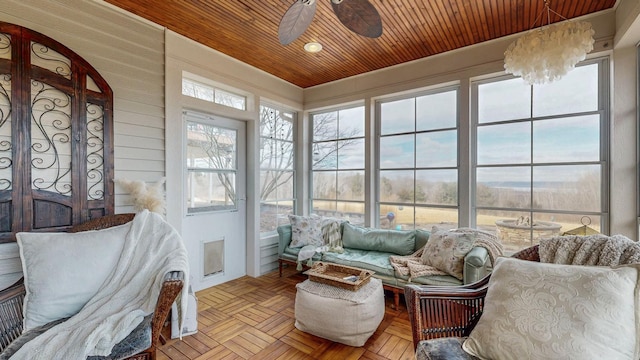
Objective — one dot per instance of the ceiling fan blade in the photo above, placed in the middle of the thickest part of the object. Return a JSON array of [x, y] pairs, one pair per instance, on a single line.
[[296, 20], [359, 16]]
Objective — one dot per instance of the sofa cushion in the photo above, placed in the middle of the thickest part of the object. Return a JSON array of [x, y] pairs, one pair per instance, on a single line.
[[80, 261], [138, 340], [449, 348], [553, 311], [390, 241], [422, 236], [292, 254], [364, 259], [430, 280]]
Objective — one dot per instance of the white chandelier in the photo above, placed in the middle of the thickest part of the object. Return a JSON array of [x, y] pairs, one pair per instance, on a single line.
[[546, 54]]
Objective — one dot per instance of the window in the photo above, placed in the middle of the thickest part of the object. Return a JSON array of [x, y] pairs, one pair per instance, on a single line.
[[338, 155], [277, 175], [541, 158], [212, 94], [211, 167], [418, 161]]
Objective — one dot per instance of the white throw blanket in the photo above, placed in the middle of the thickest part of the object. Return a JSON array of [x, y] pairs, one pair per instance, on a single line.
[[152, 248], [306, 253], [413, 265]]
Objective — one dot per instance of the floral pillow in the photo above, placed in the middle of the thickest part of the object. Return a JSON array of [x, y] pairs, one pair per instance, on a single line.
[[306, 230], [446, 250], [553, 311]]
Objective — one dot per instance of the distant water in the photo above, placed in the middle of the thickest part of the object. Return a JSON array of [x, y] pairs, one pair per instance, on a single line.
[[524, 185]]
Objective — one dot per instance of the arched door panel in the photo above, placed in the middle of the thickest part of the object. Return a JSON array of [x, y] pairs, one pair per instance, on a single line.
[[56, 136]]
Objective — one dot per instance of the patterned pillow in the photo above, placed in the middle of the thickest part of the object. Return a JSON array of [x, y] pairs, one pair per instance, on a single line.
[[306, 230], [446, 250], [553, 311]]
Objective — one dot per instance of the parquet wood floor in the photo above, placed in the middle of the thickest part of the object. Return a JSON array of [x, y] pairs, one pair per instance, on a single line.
[[253, 318]]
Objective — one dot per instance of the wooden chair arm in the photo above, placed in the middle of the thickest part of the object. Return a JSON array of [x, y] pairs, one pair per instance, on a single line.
[[437, 311], [171, 287], [11, 300], [11, 315], [531, 253]]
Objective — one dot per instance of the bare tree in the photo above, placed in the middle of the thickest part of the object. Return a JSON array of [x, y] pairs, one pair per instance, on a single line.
[[217, 148], [276, 126], [329, 139], [276, 150]]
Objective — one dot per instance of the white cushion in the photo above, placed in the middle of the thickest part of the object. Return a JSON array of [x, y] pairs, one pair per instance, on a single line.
[[551, 311], [63, 271]]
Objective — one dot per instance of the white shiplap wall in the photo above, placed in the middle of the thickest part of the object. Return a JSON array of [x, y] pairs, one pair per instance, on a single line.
[[129, 54]]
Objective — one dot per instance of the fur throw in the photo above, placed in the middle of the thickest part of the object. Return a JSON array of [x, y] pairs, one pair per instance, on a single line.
[[150, 197], [596, 250]]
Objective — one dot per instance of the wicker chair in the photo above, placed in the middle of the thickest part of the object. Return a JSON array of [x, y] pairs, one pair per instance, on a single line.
[[11, 299], [450, 311]]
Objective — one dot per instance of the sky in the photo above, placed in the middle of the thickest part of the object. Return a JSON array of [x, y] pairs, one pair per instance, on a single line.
[[505, 134]]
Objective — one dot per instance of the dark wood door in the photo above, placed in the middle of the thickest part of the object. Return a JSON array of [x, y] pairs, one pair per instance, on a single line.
[[56, 136]]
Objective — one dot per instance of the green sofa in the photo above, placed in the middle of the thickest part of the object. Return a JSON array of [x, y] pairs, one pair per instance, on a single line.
[[368, 248]]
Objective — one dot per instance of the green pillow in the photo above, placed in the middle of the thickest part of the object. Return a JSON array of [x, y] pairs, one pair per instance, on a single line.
[[422, 236], [391, 241]]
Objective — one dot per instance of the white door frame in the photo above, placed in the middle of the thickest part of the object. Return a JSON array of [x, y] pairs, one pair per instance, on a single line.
[[227, 225]]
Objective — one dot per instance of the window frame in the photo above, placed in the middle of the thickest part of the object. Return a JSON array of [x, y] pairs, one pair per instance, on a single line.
[[378, 135], [215, 90], [603, 111], [337, 169], [200, 118], [294, 155]]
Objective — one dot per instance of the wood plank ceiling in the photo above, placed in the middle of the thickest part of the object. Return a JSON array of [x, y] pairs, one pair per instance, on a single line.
[[412, 29]]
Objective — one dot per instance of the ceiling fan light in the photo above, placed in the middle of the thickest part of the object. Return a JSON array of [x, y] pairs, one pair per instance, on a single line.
[[312, 47]]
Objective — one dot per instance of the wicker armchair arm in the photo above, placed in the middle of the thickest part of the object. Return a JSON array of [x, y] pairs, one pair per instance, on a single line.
[[103, 222], [11, 315], [531, 253], [11, 300], [171, 287], [437, 311]]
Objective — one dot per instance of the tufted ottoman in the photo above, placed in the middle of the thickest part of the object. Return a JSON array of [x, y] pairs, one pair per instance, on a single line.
[[344, 316]]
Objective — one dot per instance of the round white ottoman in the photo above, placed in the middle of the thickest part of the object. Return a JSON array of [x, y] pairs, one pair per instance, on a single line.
[[344, 316]]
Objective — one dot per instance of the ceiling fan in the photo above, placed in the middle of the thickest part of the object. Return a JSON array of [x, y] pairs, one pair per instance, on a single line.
[[358, 16]]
